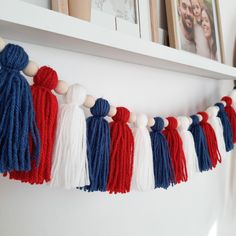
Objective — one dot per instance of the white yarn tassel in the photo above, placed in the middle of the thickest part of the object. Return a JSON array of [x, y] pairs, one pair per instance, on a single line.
[[143, 173], [188, 145], [70, 164], [216, 124]]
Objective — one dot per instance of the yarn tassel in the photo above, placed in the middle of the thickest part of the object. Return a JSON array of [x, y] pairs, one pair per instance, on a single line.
[[46, 108], [98, 135], [122, 153], [231, 115], [176, 150], [204, 161], [216, 124], [70, 164], [17, 120], [188, 145], [211, 140], [143, 174], [162, 165], [227, 129]]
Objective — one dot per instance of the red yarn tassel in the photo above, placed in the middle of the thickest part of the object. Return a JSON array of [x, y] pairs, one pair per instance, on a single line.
[[176, 150], [46, 108], [231, 115], [211, 140], [122, 153]]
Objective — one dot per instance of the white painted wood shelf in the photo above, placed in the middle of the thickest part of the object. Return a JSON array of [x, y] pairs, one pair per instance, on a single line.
[[29, 23]]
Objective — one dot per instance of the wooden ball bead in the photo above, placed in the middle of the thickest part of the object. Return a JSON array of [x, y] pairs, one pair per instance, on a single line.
[[62, 87], [2, 44], [166, 122], [112, 111], [132, 117], [89, 101], [223, 102], [190, 120], [151, 122], [199, 117], [31, 69]]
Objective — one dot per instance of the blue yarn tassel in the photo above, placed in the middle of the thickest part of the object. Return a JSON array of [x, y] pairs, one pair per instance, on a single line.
[[17, 120], [227, 129], [98, 135], [163, 170], [204, 161]]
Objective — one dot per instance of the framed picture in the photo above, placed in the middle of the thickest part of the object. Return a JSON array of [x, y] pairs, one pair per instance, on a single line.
[[158, 21], [195, 26], [128, 16]]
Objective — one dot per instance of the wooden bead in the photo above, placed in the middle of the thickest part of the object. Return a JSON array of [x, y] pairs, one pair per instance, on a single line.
[[89, 101], [31, 69], [151, 122], [132, 117], [190, 120], [62, 87], [166, 122], [112, 111], [2, 44], [223, 102], [199, 117]]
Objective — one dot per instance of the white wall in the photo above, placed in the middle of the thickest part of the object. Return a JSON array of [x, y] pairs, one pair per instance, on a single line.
[[201, 207]]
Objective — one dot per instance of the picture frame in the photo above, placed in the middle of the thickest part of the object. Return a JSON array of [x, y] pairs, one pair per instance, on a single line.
[[158, 17], [195, 26], [111, 15]]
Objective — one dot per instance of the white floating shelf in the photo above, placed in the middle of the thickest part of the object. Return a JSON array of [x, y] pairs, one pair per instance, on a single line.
[[29, 23]]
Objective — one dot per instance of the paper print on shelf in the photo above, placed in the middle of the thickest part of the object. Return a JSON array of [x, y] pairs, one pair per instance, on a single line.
[[124, 9]]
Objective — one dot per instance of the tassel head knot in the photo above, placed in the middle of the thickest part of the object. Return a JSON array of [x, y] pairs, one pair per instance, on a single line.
[[141, 121], [46, 77], [184, 122], [228, 100], [195, 119], [221, 106], [101, 108], [159, 124], [76, 94], [173, 123], [204, 116], [14, 58], [122, 115]]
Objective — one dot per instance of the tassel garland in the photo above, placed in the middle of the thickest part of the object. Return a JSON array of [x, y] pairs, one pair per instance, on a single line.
[[143, 175], [163, 169], [122, 153]]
